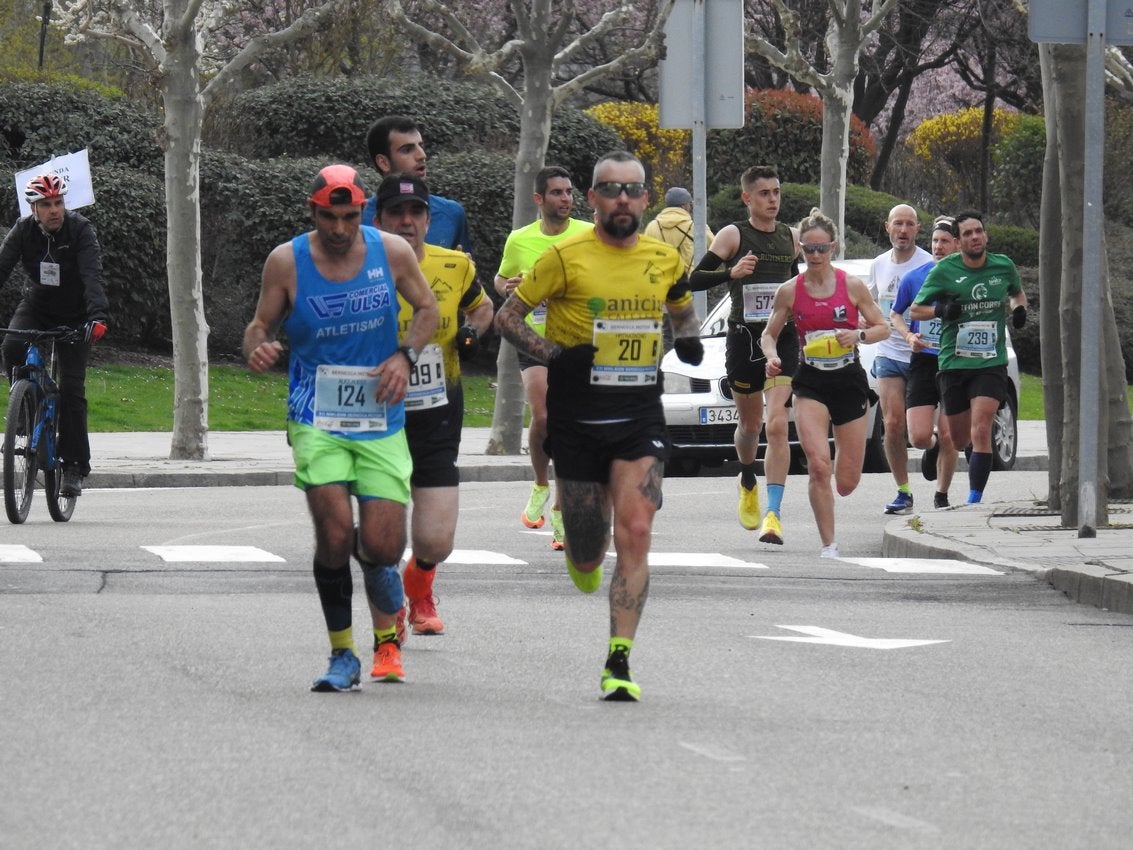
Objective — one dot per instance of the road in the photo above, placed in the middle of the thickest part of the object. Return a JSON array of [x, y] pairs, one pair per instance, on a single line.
[[788, 701]]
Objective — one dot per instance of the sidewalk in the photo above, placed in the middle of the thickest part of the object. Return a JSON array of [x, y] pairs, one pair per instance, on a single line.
[[1010, 534]]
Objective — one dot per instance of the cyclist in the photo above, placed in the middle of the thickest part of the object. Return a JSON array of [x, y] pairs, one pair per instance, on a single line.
[[59, 251]]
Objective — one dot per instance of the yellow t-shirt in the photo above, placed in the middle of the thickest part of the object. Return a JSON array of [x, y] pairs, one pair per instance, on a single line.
[[452, 277], [613, 298]]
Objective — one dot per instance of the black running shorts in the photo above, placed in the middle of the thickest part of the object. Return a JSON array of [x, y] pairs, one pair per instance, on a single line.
[[584, 452], [434, 441], [921, 389], [744, 360], [959, 386], [845, 391]]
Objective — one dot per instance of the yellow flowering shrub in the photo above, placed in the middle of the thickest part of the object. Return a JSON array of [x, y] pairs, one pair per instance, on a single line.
[[951, 143], [665, 153]]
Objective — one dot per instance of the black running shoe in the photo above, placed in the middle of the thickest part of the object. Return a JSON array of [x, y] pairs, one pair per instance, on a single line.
[[940, 500]]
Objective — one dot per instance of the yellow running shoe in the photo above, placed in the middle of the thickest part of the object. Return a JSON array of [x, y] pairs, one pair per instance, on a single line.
[[749, 506], [532, 515], [772, 530], [617, 684], [558, 535], [586, 582]]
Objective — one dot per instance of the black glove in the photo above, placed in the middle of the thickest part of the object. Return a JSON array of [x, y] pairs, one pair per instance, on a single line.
[[94, 330], [1019, 316], [467, 342], [689, 349], [947, 309], [572, 365]]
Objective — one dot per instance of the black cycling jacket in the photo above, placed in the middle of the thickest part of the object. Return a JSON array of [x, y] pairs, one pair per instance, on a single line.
[[79, 296]]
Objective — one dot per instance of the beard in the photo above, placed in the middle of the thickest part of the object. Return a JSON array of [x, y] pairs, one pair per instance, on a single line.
[[620, 229]]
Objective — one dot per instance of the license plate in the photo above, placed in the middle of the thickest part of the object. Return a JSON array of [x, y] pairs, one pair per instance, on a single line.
[[719, 415]]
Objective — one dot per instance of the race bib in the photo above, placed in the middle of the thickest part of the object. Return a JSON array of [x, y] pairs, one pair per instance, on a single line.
[[823, 351], [628, 352], [427, 380], [757, 301], [48, 274], [977, 340], [345, 400], [930, 333]]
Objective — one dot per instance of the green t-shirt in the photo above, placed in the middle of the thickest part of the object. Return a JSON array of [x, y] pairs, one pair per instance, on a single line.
[[977, 339], [523, 247]]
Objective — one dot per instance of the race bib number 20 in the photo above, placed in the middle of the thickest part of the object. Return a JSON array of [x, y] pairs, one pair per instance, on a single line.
[[628, 352]]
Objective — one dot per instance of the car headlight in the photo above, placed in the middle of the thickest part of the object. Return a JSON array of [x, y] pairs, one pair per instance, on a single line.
[[677, 383]]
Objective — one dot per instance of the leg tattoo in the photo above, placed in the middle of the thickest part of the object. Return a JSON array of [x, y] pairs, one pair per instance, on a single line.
[[650, 486]]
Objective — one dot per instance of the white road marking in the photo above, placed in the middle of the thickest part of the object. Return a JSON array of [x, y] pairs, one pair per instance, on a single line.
[[475, 556], [14, 553], [714, 753], [696, 559], [817, 634], [896, 819], [940, 566], [210, 554]]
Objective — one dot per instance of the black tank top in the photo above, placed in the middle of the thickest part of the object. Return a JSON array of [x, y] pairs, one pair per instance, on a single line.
[[776, 253]]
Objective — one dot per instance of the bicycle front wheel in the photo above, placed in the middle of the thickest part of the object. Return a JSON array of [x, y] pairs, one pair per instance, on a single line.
[[60, 507], [20, 458]]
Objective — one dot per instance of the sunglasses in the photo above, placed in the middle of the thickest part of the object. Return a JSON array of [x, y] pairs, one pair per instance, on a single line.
[[818, 248], [612, 188]]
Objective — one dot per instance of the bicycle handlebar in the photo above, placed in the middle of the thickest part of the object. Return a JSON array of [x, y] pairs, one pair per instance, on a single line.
[[62, 332]]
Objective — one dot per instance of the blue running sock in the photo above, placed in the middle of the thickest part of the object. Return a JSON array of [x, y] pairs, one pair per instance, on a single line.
[[974, 497], [775, 498]]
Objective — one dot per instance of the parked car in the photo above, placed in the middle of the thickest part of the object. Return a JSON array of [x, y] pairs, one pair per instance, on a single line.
[[701, 416]]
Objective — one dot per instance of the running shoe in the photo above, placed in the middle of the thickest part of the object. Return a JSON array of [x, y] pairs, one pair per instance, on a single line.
[[928, 461], [940, 500], [617, 684], [422, 604], [975, 497], [532, 515], [903, 504], [387, 663], [558, 535], [343, 674], [586, 582], [772, 530], [749, 506], [423, 616], [830, 551]]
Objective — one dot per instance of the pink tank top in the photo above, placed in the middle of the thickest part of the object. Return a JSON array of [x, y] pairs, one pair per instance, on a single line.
[[823, 314]]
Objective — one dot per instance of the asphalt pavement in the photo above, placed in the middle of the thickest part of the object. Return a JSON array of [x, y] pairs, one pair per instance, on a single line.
[[1009, 529]]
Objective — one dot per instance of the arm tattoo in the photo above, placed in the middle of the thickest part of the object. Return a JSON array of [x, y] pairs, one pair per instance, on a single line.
[[685, 322], [510, 324]]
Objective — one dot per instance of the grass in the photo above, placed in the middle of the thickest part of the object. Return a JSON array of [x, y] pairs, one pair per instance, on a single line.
[[140, 398]]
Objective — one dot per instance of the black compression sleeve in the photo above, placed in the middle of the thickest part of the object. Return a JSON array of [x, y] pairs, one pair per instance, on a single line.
[[703, 277]]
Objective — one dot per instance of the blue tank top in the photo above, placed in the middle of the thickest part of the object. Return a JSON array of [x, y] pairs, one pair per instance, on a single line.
[[351, 323]]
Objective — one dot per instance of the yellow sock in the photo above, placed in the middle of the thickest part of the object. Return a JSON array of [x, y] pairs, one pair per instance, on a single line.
[[342, 639]]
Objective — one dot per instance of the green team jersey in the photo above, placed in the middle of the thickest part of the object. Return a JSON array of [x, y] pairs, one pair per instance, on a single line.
[[979, 337], [523, 247]]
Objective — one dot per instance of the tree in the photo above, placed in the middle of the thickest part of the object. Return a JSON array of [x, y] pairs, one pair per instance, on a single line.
[[1061, 251], [547, 47], [850, 27], [175, 47]]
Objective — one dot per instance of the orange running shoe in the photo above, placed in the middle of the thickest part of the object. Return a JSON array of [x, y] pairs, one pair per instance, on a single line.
[[400, 625], [422, 604], [387, 663]]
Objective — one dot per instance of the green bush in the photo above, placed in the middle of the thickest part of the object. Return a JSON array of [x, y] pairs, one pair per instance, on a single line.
[[1017, 179], [59, 118], [783, 129]]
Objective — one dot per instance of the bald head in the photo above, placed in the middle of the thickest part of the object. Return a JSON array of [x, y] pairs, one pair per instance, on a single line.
[[902, 227]]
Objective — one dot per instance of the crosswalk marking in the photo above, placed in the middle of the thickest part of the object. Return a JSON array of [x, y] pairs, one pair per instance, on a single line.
[[938, 566], [476, 556], [225, 554], [696, 559], [14, 553]]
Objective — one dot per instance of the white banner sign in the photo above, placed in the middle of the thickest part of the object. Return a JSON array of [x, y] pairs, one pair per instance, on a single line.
[[74, 166]]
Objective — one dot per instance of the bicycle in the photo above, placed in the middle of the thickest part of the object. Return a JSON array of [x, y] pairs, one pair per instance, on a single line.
[[31, 433]]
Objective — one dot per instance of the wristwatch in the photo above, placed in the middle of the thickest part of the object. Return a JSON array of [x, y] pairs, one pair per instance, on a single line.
[[861, 336], [409, 353]]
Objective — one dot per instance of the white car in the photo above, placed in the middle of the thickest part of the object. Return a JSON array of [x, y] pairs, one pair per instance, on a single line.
[[701, 416]]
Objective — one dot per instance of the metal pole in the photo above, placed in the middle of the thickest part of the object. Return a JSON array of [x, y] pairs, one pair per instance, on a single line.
[[697, 85], [43, 30], [1090, 411]]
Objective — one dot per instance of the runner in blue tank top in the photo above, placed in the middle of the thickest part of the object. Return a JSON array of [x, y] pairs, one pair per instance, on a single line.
[[334, 291]]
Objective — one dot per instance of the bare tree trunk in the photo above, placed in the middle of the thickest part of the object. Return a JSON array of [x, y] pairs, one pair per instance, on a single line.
[[183, 118], [506, 435], [1050, 287]]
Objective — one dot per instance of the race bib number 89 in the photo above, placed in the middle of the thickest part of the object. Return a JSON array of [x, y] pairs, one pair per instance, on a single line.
[[427, 380]]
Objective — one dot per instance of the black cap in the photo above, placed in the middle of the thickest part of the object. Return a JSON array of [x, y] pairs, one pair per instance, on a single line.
[[396, 189]]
